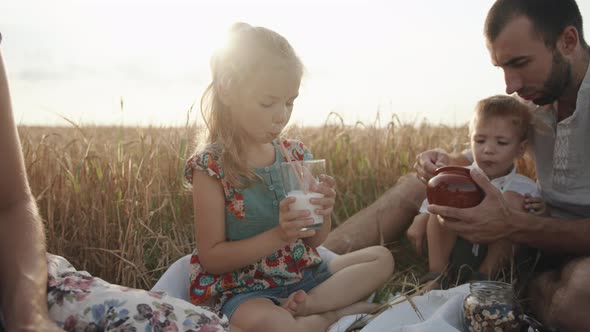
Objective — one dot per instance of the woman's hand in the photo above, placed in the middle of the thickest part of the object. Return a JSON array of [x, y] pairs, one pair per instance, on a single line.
[[292, 221]]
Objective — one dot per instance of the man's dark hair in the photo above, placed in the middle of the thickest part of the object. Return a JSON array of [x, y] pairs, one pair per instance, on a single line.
[[549, 18]]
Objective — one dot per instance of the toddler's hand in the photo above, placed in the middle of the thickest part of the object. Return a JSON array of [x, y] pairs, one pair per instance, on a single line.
[[428, 161], [292, 221], [326, 187], [535, 205], [417, 232]]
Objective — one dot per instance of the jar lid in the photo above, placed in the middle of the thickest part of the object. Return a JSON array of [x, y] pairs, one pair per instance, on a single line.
[[492, 289], [452, 169]]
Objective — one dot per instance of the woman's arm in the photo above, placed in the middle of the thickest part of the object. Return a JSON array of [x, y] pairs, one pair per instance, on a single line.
[[23, 263], [219, 256]]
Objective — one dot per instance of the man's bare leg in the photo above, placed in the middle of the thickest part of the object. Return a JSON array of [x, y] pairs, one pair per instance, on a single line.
[[562, 299], [384, 220]]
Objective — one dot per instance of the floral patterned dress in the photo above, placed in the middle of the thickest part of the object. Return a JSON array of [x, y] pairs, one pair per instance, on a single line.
[[79, 302], [249, 212]]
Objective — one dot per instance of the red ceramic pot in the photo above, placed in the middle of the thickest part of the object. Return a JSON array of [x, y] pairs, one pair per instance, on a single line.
[[453, 186]]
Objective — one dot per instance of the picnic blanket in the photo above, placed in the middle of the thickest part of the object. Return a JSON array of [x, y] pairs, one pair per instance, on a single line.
[[437, 310]]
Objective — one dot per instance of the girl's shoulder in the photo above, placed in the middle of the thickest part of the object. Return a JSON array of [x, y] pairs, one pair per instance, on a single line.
[[207, 161], [296, 149]]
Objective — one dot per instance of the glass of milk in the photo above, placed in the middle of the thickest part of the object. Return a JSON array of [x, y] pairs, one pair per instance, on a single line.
[[299, 181]]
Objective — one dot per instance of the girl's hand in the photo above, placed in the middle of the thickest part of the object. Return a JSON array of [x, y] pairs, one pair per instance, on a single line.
[[292, 221], [325, 186], [535, 205]]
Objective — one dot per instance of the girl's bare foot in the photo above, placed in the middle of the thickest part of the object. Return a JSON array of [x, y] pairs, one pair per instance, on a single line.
[[293, 302]]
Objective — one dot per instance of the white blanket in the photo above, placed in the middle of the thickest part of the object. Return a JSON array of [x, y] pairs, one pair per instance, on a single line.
[[441, 310]]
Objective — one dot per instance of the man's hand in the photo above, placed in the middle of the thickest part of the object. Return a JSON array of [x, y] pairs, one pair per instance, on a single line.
[[485, 223], [428, 161]]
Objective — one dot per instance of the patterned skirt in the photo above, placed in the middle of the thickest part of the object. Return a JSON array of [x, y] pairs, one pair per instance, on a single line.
[[79, 302]]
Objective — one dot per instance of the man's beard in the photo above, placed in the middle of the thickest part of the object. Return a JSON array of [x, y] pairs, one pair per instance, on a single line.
[[559, 78]]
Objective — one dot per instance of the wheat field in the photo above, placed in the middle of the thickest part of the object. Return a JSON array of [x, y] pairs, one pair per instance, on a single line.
[[115, 203]]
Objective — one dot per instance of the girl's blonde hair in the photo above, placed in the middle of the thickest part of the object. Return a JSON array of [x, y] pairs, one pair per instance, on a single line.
[[231, 66], [503, 106]]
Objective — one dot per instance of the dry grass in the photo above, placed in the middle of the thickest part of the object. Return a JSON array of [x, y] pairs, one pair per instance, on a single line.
[[115, 202]]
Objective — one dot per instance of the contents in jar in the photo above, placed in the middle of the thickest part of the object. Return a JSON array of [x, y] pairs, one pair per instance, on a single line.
[[491, 316]]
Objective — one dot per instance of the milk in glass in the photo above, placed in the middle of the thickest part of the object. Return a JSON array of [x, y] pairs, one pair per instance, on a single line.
[[302, 203]]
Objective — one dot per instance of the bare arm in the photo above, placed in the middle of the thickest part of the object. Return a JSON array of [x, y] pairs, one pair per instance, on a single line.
[[23, 263], [552, 234], [219, 256]]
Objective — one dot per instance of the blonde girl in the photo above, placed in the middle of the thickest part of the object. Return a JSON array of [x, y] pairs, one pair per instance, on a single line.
[[253, 261]]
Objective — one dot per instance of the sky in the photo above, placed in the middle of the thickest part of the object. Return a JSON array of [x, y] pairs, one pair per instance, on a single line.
[[145, 62]]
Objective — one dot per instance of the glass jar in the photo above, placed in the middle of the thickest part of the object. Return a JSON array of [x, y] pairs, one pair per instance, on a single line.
[[492, 306]]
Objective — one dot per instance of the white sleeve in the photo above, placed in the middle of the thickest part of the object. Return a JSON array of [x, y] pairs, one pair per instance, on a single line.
[[424, 207], [523, 185]]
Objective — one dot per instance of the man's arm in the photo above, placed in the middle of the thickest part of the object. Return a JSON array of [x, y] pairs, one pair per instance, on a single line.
[[541, 231], [23, 263], [552, 234]]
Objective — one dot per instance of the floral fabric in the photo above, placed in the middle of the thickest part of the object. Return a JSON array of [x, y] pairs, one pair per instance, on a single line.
[[208, 163], [79, 302], [282, 268]]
